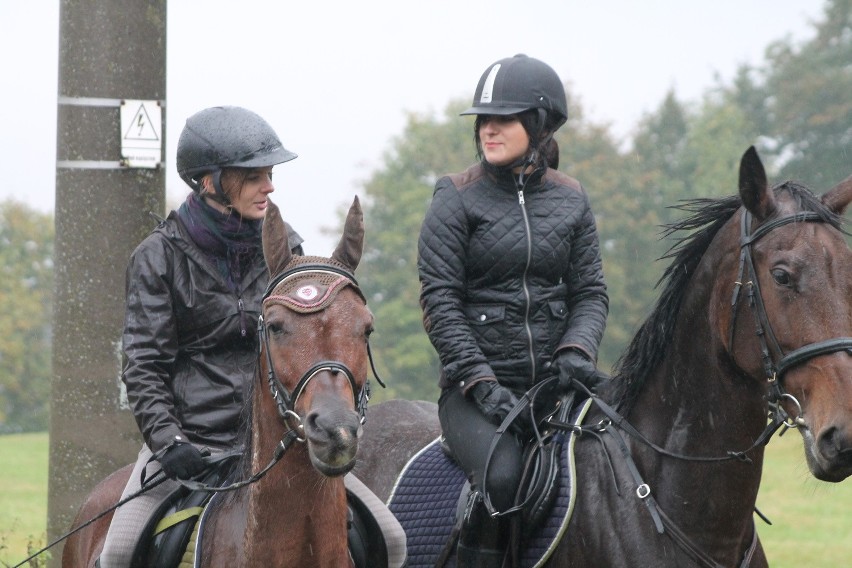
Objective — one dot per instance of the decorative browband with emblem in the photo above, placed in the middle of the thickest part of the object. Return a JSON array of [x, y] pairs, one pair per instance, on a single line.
[[309, 284]]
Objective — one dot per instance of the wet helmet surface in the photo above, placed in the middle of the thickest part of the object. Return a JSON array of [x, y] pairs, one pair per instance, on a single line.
[[226, 137]]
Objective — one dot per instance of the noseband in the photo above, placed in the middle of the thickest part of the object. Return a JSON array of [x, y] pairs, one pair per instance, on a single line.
[[286, 400], [774, 369]]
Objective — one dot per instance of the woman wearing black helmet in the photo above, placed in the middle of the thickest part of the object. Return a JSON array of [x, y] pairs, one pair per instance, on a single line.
[[512, 287], [193, 298]]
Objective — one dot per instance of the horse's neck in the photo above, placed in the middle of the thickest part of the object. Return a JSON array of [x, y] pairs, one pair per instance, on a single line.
[[295, 516], [696, 404]]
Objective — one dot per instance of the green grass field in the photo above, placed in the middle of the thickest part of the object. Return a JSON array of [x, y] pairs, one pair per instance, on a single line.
[[812, 521], [23, 495]]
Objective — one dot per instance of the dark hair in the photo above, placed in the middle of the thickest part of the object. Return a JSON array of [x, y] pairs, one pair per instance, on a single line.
[[541, 142]]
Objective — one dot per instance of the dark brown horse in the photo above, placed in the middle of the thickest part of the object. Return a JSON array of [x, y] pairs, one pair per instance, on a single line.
[[308, 397], [754, 320]]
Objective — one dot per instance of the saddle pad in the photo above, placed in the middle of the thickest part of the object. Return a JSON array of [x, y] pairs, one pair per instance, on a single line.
[[424, 501], [426, 495]]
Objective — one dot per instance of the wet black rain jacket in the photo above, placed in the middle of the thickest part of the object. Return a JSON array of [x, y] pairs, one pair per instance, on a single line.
[[189, 341]]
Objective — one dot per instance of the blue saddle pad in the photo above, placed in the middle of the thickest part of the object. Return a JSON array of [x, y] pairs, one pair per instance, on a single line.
[[426, 496]]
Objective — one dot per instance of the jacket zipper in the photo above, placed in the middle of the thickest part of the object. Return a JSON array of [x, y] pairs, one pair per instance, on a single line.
[[241, 307], [525, 287]]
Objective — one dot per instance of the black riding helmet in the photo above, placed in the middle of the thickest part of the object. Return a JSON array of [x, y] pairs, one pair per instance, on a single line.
[[226, 137], [520, 83]]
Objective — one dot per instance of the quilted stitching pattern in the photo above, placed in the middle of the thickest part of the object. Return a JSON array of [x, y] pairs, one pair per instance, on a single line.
[[424, 501], [473, 251]]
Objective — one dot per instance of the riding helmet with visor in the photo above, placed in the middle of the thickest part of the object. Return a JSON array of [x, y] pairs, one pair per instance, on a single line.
[[520, 83], [226, 137]]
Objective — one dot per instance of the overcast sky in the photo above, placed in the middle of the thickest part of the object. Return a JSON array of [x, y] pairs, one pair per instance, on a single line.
[[336, 79]]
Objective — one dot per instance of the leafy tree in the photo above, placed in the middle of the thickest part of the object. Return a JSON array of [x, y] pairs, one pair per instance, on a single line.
[[797, 103], [397, 197], [809, 102], [796, 108], [26, 292]]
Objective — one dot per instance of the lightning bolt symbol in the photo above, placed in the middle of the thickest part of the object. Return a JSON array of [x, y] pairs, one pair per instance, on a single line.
[[140, 122]]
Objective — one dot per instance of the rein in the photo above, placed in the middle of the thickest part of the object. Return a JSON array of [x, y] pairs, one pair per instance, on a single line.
[[775, 364], [662, 522]]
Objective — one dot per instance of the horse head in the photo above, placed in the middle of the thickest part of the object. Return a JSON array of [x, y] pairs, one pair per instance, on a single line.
[[792, 319], [313, 336]]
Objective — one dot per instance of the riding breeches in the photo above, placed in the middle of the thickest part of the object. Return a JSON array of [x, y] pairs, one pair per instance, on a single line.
[[469, 434], [130, 519]]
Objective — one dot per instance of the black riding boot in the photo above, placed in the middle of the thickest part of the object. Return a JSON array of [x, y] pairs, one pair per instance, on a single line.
[[483, 538]]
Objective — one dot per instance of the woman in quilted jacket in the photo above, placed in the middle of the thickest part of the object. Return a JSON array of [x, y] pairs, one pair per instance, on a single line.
[[512, 287]]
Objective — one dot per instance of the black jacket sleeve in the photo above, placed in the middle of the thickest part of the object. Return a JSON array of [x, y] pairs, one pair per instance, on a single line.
[[588, 302], [442, 253], [150, 345]]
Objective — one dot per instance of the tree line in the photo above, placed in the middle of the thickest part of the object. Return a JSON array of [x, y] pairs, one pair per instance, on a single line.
[[795, 107]]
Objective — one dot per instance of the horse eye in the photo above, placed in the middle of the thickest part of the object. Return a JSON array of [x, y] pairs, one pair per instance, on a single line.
[[782, 277], [369, 331]]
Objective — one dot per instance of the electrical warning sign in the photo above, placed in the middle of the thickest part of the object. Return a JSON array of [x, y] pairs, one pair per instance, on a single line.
[[141, 134]]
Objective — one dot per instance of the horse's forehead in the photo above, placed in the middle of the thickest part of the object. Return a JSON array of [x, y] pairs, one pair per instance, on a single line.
[[312, 289]]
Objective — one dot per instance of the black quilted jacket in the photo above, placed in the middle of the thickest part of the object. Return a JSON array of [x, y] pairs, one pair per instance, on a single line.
[[189, 341], [508, 278]]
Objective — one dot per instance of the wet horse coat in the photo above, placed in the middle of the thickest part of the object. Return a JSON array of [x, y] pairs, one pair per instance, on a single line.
[[755, 315]]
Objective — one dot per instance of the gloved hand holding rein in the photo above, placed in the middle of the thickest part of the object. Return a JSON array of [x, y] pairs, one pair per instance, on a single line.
[[182, 460], [493, 399], [573, 364]]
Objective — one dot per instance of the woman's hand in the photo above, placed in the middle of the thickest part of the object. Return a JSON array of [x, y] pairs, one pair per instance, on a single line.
[[493, 399], [182, 461], [575, 366]]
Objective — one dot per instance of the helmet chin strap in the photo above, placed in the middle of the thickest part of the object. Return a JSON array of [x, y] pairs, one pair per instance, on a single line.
[[531, 157], [219, 195]]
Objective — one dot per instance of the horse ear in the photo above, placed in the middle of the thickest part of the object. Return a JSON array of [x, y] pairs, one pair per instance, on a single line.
[[838, 197], [276, 247], [351, 245], [754, 188]]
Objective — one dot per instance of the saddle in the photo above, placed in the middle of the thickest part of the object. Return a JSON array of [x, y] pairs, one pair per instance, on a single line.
[[174, 532], [431, 493], [166, 538]]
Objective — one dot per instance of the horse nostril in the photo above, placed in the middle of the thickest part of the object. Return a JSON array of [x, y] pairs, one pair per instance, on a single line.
[[311, 421], [831, 443]]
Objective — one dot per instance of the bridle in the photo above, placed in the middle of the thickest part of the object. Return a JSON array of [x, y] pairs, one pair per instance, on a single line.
[[775, 361], [286, 400], [775, 364]]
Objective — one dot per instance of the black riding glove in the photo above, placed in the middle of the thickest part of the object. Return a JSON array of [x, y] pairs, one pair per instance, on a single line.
[[574, 364], [182, 461], [493, 399]]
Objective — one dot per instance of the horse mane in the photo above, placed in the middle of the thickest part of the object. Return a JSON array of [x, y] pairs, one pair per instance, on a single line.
[[648, 347]]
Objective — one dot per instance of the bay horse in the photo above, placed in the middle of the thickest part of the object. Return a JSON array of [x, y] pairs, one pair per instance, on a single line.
[[305, 409], [754, 320]]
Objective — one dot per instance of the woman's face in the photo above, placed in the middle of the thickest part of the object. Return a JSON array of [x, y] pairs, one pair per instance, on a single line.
[[248, 191], [503, 139]]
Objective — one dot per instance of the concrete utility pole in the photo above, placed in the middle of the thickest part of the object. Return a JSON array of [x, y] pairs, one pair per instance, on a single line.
[[109, 175]]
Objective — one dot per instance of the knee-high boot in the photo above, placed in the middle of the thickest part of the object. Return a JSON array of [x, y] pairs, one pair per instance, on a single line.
[[482, 539]]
